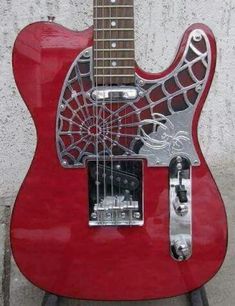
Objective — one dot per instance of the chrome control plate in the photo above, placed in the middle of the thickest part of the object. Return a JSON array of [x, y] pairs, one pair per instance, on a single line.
[[180, 208]]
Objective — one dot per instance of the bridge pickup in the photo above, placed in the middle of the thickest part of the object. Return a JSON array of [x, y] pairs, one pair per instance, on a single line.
[[118, 178], [114, 94]]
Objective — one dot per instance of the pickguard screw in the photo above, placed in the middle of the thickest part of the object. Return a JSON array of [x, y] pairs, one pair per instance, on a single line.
[[196, 162], [64, 162], [197, 36], [141, 82], [199, 88], [87, 54]]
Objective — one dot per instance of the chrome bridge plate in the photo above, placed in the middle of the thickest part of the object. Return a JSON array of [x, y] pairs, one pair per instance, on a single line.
[[115, 210], [115, 193]]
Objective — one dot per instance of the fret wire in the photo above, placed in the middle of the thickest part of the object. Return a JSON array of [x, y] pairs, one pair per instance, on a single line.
[[119, 26], [114, 39], [113, 18], [114, 58], [114, 50], [113, 75], [112, 67], [113, 6], [114, 29]]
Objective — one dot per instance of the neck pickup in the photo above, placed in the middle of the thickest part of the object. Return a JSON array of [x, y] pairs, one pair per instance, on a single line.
[[115, 94]]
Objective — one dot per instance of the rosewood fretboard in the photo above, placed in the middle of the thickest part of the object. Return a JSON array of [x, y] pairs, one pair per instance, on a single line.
[[114, 46]]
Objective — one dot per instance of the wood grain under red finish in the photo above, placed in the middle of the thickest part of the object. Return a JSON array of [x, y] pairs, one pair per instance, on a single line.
[[51, 241]]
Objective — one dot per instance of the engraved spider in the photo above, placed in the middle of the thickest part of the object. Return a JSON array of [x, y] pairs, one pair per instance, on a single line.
[[176, 142], [163, 134]]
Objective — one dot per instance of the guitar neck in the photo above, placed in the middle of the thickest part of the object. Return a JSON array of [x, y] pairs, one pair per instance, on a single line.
[[114, 43]]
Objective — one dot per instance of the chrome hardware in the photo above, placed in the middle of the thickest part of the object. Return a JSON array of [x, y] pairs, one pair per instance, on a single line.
[[197, 36], [180, 208], [116, 211], [87, 53], [140, 82], [181, 248], [115, 193], [112, 94]]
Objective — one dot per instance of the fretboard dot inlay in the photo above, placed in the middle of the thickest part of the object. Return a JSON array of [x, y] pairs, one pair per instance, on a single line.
[[114, 47]]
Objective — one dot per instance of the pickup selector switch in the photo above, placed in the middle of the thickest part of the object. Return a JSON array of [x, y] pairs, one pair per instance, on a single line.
[[181, 193]]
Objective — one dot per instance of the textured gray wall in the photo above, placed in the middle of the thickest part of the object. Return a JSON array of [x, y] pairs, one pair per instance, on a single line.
[[159, 26]]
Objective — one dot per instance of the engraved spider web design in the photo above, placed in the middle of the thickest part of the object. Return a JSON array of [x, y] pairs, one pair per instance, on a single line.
[[123, 128]]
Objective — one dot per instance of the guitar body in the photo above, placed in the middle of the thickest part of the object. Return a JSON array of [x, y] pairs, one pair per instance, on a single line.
[[52, 242]]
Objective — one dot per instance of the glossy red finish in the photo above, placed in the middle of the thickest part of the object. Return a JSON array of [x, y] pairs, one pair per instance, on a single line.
[[51, 241]]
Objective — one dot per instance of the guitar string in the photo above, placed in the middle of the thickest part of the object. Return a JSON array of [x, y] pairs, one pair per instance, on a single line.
[[111, 84], [133, 119], [125, 120], [103, 106], [96, 106], [118, 104]]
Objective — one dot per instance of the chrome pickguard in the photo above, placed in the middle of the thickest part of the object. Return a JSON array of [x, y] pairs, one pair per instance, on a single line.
[[88, 129]]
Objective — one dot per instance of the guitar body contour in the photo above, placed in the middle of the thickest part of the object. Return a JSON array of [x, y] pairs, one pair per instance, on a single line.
[[52, 242]]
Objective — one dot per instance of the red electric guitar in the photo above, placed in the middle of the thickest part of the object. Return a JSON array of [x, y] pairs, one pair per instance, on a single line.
[[118, 203]]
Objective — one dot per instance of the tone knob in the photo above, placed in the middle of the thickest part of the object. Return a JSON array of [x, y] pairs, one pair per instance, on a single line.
[[181, 248], [181, 209]]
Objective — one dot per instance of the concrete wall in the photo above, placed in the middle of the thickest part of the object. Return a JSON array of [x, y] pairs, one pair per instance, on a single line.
[[159, 26]]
